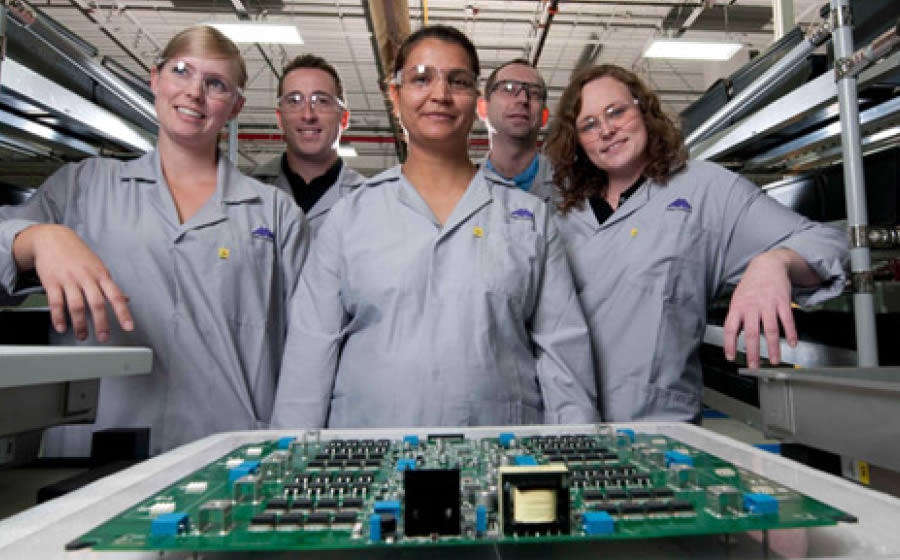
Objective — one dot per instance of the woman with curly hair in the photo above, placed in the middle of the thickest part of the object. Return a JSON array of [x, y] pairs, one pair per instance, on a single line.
[[653, 237]]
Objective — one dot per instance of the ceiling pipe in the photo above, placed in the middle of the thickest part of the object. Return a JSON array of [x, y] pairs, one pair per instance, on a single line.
[[551, 11], [386, 34]]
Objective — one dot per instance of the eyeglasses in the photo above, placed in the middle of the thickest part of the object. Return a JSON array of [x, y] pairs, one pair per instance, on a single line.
[[613, 118], [214, 86], [512, 89], [422, 77], [319, 102]]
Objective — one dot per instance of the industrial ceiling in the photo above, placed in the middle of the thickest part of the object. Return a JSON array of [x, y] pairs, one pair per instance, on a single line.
[[358, 36]]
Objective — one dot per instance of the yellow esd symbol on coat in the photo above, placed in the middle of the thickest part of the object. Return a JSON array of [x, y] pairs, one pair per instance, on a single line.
[[224, 253], [477, 232]]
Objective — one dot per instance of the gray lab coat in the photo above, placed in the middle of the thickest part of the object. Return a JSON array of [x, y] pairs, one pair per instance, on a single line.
[[208, 296], [399, 321], [645, 277]]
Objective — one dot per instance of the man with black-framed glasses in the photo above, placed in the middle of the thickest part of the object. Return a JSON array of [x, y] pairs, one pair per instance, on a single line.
[[514, 107], [312, 113]]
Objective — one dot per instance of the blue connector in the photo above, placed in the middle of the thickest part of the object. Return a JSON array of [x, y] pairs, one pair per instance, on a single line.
[[170, 525], [285, 442], [525, 461], [480, 520], [388, 506], [598, 523], [678, 458], [505, 438], [406, 464], [412, 440], [242, 470], [762, 504], [374, 527], [629, 433]]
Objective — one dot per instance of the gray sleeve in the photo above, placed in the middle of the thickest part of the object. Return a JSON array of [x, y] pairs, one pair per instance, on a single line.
[[48, 205], [755, 223], [295, 239], [562, 343], [316, 321]]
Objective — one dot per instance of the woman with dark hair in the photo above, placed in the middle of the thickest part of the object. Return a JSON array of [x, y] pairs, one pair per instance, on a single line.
[[653, 237], [195, 260], [436, 295]]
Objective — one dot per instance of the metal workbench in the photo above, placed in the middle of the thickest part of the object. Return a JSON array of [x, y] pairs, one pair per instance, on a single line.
[[43, 531]]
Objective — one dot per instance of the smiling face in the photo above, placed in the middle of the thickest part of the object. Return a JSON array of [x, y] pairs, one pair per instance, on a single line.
[[439, 114], [311, 134], [520, 116], [613, 142], [190, 113]]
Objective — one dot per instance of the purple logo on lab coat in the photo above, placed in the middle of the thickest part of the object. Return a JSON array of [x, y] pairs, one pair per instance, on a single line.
[[679, 204], [263, 232], [522, 214]]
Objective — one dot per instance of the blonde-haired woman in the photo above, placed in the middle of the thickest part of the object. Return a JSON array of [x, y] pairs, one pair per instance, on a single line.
[[194, 259]]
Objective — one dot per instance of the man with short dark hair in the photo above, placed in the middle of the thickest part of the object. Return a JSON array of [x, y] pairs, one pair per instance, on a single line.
[[514, 107], [312, 113]]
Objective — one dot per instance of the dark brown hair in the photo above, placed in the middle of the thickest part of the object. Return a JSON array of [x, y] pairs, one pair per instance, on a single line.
[[575, 175], [492, 79], [444, 33], [204, 41], [311, 61]]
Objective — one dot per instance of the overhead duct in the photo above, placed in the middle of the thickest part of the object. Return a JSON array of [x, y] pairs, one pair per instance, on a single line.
[[388, 23]]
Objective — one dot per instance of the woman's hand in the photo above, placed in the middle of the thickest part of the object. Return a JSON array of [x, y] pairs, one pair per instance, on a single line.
[[764, 296], [73, 276]]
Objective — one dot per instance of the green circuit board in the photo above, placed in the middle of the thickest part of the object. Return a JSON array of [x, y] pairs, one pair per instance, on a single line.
[[314, 494]]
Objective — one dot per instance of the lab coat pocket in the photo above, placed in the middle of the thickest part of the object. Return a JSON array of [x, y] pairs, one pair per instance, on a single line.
[[510, 261], [656, 250]]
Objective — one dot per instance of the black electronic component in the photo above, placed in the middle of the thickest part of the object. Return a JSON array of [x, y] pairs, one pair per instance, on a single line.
[[639, 493], [431, 502], [388, 524], [294, 518], [535, 500], [681, 506], [631, 509], [592, 495], [663, 493], [264, 520], [613, 494], [301, 503], [277, 504], [352, 503], [326, 503], [344, 518], [318, 518], [657, 507], [446, 437]]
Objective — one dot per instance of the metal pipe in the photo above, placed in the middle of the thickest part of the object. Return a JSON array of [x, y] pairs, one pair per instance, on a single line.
[[551, 11], [854, 188], [879, 47], [232, 141], [770, 79], [42, 31]]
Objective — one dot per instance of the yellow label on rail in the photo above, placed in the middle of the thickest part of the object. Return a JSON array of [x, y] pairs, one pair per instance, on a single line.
[[863, 468]]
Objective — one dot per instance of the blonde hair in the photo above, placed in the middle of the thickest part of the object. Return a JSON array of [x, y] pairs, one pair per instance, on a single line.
[[205, 41]]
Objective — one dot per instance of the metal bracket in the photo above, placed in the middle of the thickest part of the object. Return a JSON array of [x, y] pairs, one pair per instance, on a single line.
[[841, 17], [843, 68], [863, 282], [820, 34], [859, 236]]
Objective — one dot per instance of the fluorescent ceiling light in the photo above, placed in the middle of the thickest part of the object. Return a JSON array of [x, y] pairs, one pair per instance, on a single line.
[[345, 150], [691, 50], [260, 33]]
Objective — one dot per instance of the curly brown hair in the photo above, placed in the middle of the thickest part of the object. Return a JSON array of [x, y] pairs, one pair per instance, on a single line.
[[576, 176]]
